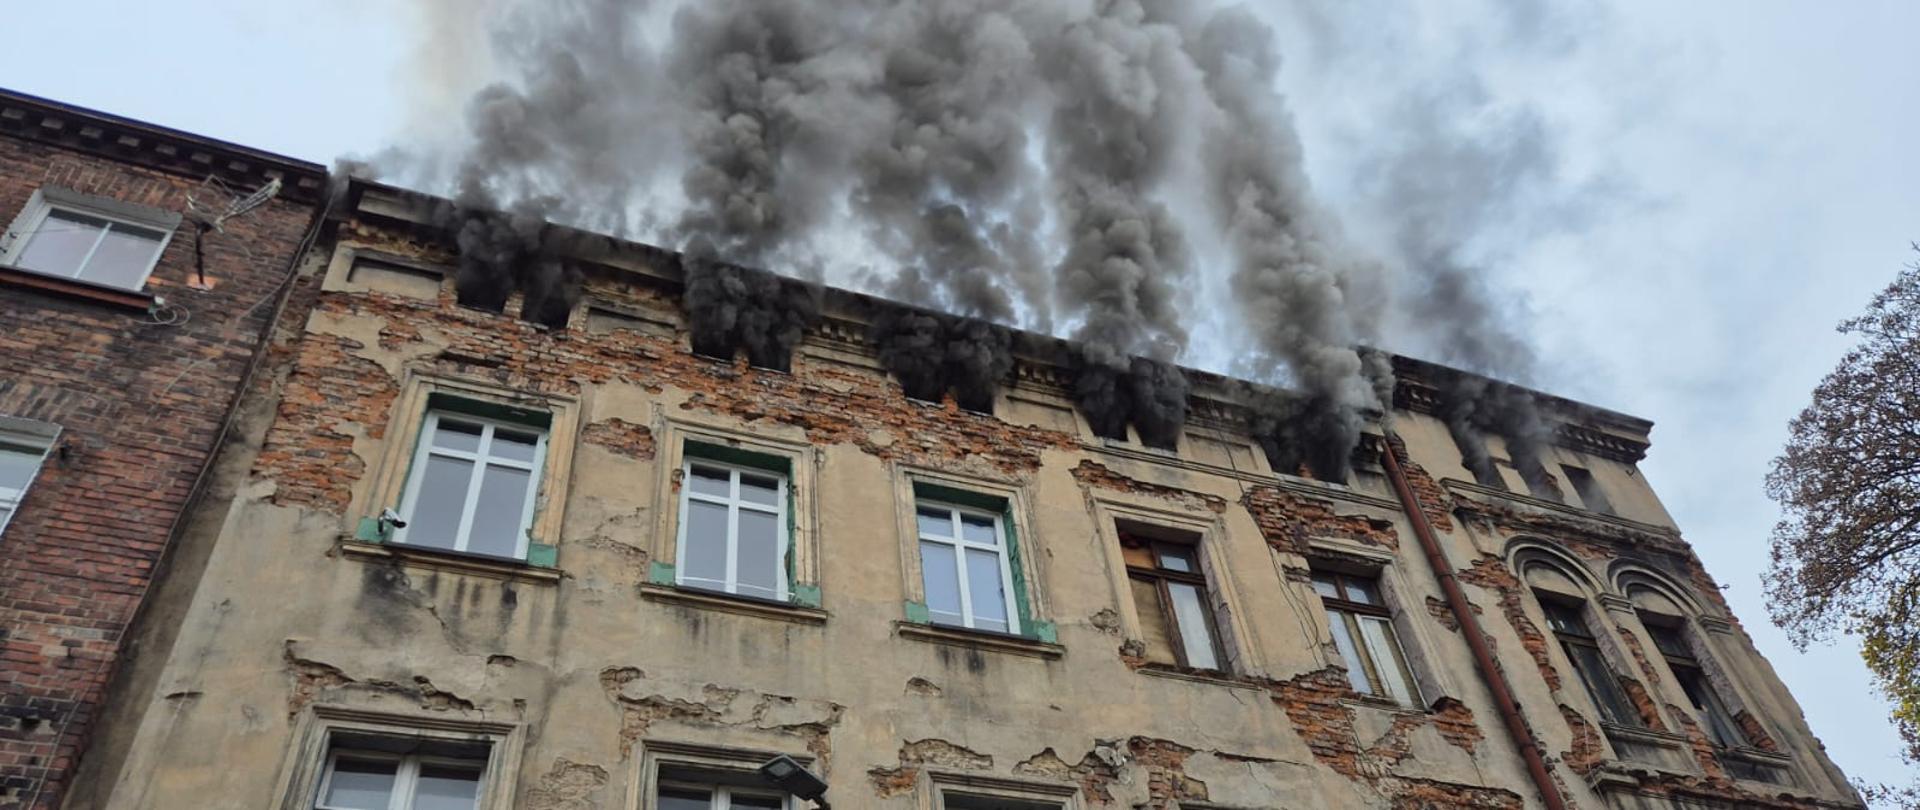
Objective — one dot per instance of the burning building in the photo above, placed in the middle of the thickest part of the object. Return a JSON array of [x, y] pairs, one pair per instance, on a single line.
[[617, 526]]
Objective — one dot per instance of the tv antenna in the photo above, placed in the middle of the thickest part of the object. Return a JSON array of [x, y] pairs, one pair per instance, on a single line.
[[215, 202]]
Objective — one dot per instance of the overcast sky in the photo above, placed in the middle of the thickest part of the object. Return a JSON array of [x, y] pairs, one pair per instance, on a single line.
[[1727, 181]]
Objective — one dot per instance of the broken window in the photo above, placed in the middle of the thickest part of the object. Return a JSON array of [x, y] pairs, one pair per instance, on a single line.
[[686, 796], [1567, 619], [1591, 496], [23, 443], [733, 528], [1170, 593], [95, 240], [965, 567], [472, 485], [1670, 639], [379, 780], [1363, 632]]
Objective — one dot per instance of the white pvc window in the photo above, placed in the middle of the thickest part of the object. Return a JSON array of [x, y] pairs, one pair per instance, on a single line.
[[733, 530], [965, 568], [59, 234], [685, 796], [372, 780], [20, 455], [472, 486]]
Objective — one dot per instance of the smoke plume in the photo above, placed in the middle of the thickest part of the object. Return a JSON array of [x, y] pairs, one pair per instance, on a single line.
[[1042, 164]]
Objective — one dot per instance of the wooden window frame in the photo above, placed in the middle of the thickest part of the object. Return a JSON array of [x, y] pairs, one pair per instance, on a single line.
[[734, 504], [1161, 576], [481, 459], [1342, 604], [1614, 706]]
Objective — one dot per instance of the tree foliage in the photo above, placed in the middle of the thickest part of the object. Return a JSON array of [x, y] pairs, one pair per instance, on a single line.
[[1846, 553]]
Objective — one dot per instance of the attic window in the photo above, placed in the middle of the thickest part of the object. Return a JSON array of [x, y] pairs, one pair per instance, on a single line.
[[1591, 496]]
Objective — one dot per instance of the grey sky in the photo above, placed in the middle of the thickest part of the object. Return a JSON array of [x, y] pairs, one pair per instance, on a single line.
[[1730, 180]]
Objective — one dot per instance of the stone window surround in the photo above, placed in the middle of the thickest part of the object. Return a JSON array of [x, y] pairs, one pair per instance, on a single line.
[[1410, 627], [321, 723], [1032, 598], [1112, 509], [803, 586], [387, 484], [655, 755], [932, 787]]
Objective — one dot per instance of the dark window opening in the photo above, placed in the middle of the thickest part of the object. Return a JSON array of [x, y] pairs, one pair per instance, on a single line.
[[1670, 639], [1175, 606], [1584, 485], [1567, 619]]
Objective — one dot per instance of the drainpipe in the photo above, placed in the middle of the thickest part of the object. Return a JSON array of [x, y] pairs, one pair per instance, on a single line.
[[1496, 680]]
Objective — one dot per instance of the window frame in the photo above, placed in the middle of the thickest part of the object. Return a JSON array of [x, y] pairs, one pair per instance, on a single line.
[[783, 529], [1162, 577], [1001, 550], [1352, 613], [26, 435], [481, 459], [1615, 707], [46, 200], [722, 793], [1586, 486], [1714, 718], [406, 778]]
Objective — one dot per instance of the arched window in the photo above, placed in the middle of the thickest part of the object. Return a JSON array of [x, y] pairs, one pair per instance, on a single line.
[[1565, 603]]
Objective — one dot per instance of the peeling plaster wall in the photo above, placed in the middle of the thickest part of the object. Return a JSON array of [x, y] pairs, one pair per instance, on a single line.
[[598, 662]]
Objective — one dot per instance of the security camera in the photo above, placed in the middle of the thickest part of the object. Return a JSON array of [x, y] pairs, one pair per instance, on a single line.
[[388, 517]]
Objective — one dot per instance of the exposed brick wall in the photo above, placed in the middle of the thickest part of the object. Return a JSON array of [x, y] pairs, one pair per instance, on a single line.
[[1093, 473], [1289, 522], [1492, 573], [620, 436], [139, 404]]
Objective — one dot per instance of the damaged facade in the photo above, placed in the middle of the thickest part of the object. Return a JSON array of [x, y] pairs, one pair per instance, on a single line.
[[516, 559]]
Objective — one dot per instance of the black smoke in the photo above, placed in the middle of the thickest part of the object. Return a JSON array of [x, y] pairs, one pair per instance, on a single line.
[[1474, 407], [1148, 394], [932, 354], [732, 308]]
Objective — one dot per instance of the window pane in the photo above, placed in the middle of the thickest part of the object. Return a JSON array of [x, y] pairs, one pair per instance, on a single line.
[[1384, 649], [740, 802], [940, 572], [498, 519], [1153, 620], [1196, 633], [361, 784], [1364, 591], [685, 799], [977, 529], [453, 434], [514, 445], [759, 565], [989, 593], [1323, 584], [123, 257], [1668, 640], [706, 550], [1565, 618], [1601, 685], [760, 489], [1175, 558], [1350, 653], [60, 243], [17, 465], [711, 481], [447, 787], [935, 522], [440, 503]]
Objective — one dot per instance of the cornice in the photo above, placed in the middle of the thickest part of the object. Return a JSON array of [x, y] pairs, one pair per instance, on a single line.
[[138, 143]]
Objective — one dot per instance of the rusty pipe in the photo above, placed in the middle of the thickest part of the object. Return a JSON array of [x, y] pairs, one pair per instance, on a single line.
[[1476, 640]]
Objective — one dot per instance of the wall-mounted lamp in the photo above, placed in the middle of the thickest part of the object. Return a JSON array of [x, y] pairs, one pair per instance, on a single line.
[[790, 776]]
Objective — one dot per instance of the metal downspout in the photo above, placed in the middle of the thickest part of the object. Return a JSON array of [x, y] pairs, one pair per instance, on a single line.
[[1476, 640]]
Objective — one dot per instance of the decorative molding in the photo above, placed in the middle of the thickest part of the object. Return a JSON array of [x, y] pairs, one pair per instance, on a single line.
[[442, 560], [155, 147], [979, 640], [687, 597]]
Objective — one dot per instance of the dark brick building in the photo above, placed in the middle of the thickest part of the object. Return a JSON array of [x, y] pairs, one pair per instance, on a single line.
[[128, 324]]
